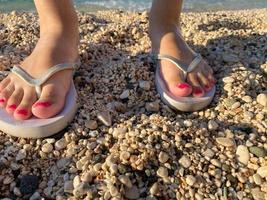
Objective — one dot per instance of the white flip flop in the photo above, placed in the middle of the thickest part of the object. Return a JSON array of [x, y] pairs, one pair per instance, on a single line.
[[186, 104], [35, 127]]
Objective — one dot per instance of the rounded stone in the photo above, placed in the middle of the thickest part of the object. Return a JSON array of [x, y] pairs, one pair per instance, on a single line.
[[91, 124], [162, 172], [132, 193], [262, 171], [190, 180], [262, 99], [185, 161], [60, 144], [227, 142], [47, 148], [125, 180], [163, 157], [242, 154], [212, 125]]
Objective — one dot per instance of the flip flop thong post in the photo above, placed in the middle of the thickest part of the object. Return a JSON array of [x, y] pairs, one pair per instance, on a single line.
[[186, 104], [35, 127]]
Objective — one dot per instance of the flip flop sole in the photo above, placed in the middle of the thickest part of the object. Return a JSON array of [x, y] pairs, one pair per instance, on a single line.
[[185, 104], [40, 128]]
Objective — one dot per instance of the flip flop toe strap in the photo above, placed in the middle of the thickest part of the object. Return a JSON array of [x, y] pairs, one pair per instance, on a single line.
[[184, 68], [37, 82]]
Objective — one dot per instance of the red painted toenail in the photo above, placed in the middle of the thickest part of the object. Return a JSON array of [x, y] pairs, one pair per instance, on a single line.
[[2, 100], [42, 104], [207, 87], [183, 86], [197, 90], [12, 107], [22, 112]]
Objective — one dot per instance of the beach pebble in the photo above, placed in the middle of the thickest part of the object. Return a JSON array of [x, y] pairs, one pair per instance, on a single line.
[[185, 161], [35, 196], [105, 118], [226, 142], [125, 180], [144, 85], [81, 189], [242, 154], [47, 148], [125, 94], [28, 184], [154, 189], [230, 58], [262, 99], [235, 105], [61, 144], [258, 151], [190, 180], [257, 194], [68, 187], [257, 179], [212, 125], [228, 80], [162, 172], [132, 193], [247, 99], [21, 155], [152, 106], [163, 157], [91, 124], [209, 153], [262, 171]]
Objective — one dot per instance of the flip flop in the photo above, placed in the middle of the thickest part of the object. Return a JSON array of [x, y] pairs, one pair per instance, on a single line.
[[35, 127], [186, 104]]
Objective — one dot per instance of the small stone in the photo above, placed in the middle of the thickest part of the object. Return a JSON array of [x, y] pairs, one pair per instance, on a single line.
[[226, 142], [35, 196], [247, 99], [125, 155], [114, 169], [125, 180], [111, 160], [132, 193], [76, 181], [242, 154], [185, 161], [188, 123], [257, 179], [228, 80], [235, 105], [258, 151], [87, 177], [162, 172], [212, 125], [144, 85], [262, 171], [163, 157], [208, 153], [190, 180], [152, 106], [105, 118], [28, 184], [47, 148], [216, 163], [8, 180], [91, 124], [154, 190], [262, 99], [257, 194], [125, 94], [199, 196], [21, 155], [81, 189], [113, 190], [68, 187], [61, 144], [230, 58], [16, 191]]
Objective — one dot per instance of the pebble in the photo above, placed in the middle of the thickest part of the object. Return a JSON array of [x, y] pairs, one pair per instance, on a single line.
[[47, 148], [262, 99], [242, 154], [154, 189], [212, 125], [257, 194], [125, 180], [257, 179], [162, 172], [163, 157], [91, 124], [28, 184], [228, 80], [209, 153], [61, 144], [247, 99], [226, 142], [258, 151], [68, 187], [21, 155], [132, 193], [125, 94], [262, 171], [185, 161], [152, 106], [235, 105], [144, 85], [230, 58], [190, 180], [35, 196], [105, 118], [81, 189]]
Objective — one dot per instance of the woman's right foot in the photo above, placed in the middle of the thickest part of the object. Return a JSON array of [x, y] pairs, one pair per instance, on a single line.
[[20, 100]]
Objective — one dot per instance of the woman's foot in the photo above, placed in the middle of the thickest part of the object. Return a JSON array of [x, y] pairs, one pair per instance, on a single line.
[[167, 39], [20, 100]]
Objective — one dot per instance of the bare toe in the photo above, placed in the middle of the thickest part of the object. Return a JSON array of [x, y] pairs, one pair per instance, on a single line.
[[14, 100], [5, 94], [198, 91]]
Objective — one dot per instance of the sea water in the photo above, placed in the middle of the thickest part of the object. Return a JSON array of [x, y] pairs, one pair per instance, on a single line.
[[139, 5]]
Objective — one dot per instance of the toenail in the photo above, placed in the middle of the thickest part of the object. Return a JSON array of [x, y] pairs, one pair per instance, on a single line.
[[197, 90], [22, 112], [42, 104], [207, 87], [2, 100], [12, 107], [183, 86]]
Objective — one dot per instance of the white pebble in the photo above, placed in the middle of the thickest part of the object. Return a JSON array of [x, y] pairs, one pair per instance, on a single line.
[[185, 161], [242, 154]]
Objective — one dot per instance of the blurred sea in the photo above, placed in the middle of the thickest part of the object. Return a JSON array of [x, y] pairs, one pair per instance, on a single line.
[[139, 5]]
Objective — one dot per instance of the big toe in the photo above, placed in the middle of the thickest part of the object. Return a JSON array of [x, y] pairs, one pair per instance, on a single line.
[[50, 103]]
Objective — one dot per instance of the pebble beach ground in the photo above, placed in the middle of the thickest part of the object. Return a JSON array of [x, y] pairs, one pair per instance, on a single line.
[[124, 142]]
